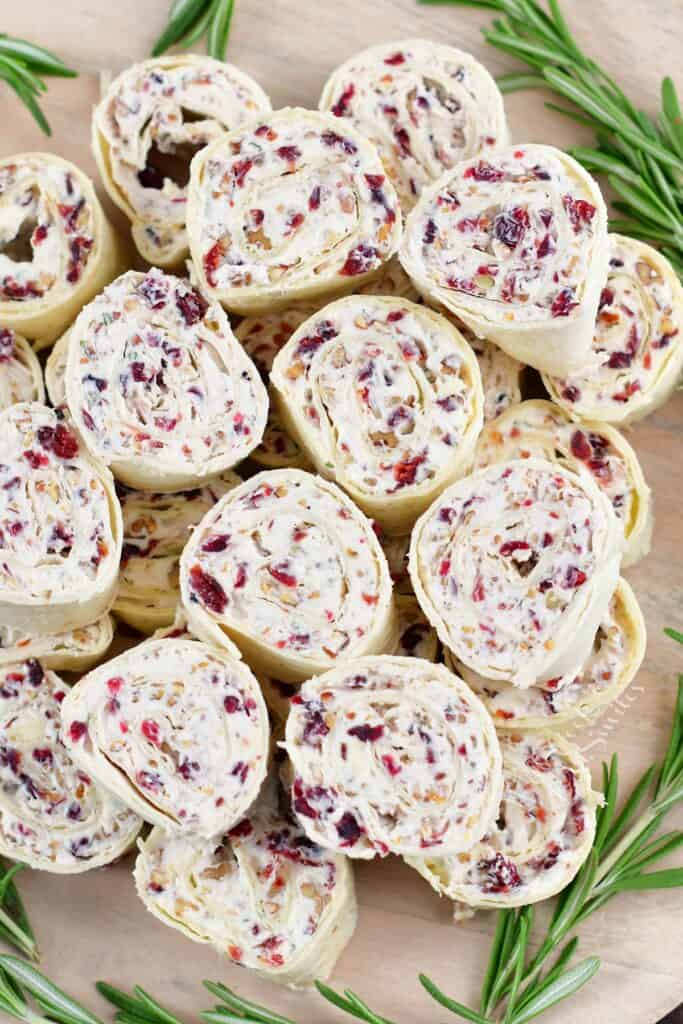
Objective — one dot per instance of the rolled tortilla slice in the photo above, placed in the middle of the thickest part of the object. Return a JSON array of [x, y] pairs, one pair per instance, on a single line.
[[542, 429], [289, 569], [264, 336], [515, 566], [57, 248], [424, 106], [155, 530], [385, 397], [293, 208], [158, 386], [21, 378], [543, 833], [263, 895], [515, 245], [53, 816], [636, 356], [55, 373], [415, 639], [176, 729], [60, 525], [392, 755], [154, 117], [75, 650], [617, 654]]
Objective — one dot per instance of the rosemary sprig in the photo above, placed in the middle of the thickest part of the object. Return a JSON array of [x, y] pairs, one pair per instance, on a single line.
[[23, 987], [15, 927], [189, 20], [642, 158], [21, 66]]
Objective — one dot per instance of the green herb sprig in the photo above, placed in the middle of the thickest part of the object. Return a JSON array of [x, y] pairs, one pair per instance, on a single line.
[[641, 156], [22, 67], [189, 20], [15, 927]]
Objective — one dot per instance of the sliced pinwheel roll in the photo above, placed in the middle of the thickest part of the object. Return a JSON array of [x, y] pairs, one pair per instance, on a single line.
[[53, 816], [636, 356], [613, 663], [501, 375], [156, 528], [55, 373], [21, 378], [424, 105], [60, 525], [392, 755], [385, 397], [292, 208], [74, 650], [515, 245], [515, 566], [289, 569], [177, 729], [542, 835], [542, 429], [154, 117], [264, 895], [57, 248], [159, 387]]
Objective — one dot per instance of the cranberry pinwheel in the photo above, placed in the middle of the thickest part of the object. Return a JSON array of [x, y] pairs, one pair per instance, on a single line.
[[501, 375], [21, 378], [159, 387], [292, 208], [424, 106], [154, 117], [385, 397], [575, 698], [515, 245], [57, 248], [515, 565], [290, 570], [636, 356], [73, 650], [264, 336], [542, 429], [60, 525], [263, 894], [176, 729], [53, 816], [392, 755], [156, 528], [542, 835]]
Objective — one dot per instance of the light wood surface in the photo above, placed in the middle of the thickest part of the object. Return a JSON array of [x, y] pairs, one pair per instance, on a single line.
[[93, 926]]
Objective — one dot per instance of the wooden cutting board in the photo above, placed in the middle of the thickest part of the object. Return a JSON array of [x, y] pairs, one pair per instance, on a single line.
[[93, 926]]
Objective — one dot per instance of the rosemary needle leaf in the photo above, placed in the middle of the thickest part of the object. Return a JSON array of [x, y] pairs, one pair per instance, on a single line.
[[248, 1010], [58, 1004], [351, 1004], [568, 983], [502, 926], [451, 1004], [667, 879], [117, 997], [513, 82], [35, 57], [219, 28], [674, 634], [183, 15]]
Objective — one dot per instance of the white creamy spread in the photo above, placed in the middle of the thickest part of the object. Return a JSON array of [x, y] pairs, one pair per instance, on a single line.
[[424, 106], [178, 729], [392, 755], [53, 815]]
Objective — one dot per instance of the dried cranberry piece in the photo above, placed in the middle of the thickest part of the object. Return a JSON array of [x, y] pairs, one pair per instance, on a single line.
[[580, 445], [405, 471], [150, 730], [538, 763], [571, 393], [395, 59], [153, 291], [329, 138], [42, 755], [348, 829], [191, 305], [77, 730], [563, 303], [509, 227], [510, 546], [244, 828], [208, 589], [212, 261], [288, 153], [501, 875], [10, 758], [6, 345], [579, 212], [402, 140], [240, 170], [279, 573], [34, 672], [367, 733], [619, 360], [315, 724], [360, 260], [314, 198], [574, 577], [430, 232], [217, 542], [606, 298], [484, 171], [341, 107]]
